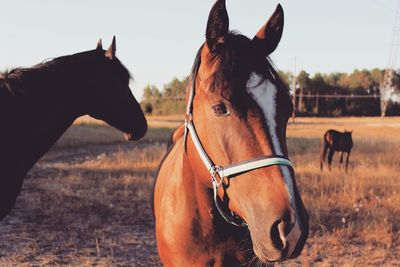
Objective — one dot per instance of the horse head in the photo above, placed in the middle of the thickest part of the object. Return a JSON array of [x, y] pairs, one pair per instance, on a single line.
[[109, 95], [240, 110]]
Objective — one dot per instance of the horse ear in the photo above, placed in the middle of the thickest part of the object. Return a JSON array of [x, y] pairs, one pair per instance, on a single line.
[[99, 45], [217, 25], [269, 36], [110, 53]]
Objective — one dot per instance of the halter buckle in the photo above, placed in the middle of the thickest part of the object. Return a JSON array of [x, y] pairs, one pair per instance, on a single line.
[[214, 171], [188, 117]]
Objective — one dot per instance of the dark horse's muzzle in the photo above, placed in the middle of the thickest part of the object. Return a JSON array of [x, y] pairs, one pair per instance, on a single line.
[[138, 133]]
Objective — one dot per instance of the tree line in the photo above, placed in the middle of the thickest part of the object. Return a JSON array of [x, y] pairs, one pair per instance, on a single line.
[[311, 92], [170, 100]]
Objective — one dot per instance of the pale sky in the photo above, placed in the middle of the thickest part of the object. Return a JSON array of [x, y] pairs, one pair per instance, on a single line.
[[157, 40]]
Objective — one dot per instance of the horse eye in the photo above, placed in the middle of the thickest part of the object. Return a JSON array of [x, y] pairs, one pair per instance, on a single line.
[[220, 109]]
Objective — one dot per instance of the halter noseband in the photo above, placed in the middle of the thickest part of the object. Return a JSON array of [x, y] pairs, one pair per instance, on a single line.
[[227, 171]]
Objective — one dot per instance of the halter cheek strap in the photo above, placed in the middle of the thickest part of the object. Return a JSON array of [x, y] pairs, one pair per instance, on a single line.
[[227, 171]]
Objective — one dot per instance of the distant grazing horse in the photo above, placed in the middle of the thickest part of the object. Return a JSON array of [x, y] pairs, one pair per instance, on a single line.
[[38, 104], [336, 141], [225, 193]]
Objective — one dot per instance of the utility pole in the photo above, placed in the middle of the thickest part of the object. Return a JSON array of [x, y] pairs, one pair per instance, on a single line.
[[294, 90]]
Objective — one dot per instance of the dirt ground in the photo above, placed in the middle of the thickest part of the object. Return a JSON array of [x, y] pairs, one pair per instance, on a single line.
[[61, 217], [88, 203]]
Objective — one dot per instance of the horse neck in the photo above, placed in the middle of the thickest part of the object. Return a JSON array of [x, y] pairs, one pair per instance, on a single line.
[[48, 129], [201, 194], [43, 106], [48, 83]]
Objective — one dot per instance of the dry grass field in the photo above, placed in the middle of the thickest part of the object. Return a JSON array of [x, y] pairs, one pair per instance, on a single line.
[[88, 201]]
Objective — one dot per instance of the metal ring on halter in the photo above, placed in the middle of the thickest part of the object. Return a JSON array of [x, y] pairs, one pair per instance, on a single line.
[[214, 172]]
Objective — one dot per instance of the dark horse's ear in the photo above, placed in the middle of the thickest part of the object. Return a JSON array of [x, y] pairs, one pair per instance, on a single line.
[[217, 25], [110, 53], [268, 37], [99, 45]]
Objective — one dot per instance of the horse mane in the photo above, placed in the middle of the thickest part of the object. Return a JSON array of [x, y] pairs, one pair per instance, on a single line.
[[20, 80], [236, 62]]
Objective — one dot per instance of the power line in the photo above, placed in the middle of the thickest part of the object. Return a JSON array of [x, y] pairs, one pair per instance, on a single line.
[[376, 96], [340, 96]]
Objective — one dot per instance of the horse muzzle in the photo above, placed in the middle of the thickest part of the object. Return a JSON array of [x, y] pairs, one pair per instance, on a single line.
[[136, 134], [283, 240]]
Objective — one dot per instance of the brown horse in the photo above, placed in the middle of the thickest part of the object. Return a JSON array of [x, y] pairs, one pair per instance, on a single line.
[[38, 104], [248, 212], [336, 141]]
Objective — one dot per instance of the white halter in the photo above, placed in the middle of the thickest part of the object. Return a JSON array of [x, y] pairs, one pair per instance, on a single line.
[[227, 171]]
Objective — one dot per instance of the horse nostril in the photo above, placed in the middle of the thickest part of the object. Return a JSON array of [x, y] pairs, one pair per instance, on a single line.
[[277, 236], [279, 232], [128, 137], [136, 134]]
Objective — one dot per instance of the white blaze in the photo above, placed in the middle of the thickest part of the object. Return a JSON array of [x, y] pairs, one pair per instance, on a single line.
[[264, 93]]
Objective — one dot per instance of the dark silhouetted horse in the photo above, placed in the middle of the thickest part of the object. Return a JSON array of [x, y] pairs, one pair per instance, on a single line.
[[38, 104], [336, 141]]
